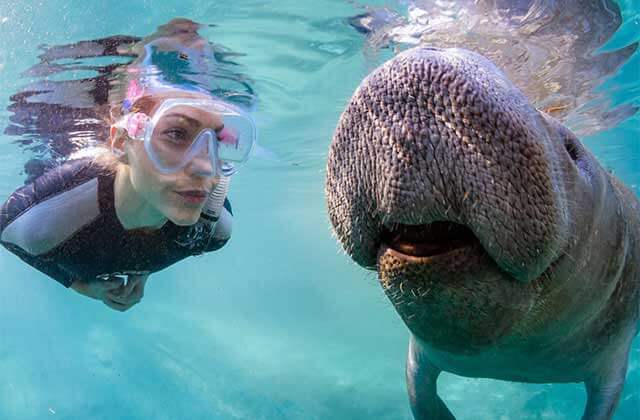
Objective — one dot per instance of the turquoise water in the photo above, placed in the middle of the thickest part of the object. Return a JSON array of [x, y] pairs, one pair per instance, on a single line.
[[279, 324]]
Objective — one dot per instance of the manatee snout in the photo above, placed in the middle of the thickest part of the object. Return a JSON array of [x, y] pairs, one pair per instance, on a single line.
[[437, 153]]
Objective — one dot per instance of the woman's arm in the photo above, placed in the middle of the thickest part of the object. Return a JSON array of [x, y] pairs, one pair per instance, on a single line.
[[45, 266], [112, 292]]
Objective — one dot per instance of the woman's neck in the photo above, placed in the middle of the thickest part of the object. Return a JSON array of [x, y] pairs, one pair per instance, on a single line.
[[132, 210]]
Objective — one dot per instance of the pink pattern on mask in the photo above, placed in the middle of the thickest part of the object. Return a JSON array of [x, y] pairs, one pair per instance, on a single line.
[[136, 124], [228, 136]]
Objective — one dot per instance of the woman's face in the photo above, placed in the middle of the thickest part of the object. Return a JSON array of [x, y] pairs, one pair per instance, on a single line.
[[179, 196]]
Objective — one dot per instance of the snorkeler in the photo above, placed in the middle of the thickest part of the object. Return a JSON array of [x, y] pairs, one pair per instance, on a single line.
[[102, 224]]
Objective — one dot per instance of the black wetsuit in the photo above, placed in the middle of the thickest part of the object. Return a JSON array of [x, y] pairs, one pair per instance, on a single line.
[[65, 225]]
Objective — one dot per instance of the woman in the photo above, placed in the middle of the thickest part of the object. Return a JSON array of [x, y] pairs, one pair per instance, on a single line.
[[102, 224]]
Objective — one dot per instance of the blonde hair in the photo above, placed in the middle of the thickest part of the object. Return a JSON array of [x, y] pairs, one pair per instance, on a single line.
[[108, 160]]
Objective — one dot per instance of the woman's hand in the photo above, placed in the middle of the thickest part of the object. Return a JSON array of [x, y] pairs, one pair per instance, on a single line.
[[127, 295], [113, 292]]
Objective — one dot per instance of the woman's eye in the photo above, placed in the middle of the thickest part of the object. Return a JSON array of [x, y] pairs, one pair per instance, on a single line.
[[176, 135]]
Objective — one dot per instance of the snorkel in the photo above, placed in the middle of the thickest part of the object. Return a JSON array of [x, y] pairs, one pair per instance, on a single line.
[[212, 208]]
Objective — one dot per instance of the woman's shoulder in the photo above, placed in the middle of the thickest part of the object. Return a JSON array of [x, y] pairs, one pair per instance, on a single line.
[[57, 180], [63, 196]]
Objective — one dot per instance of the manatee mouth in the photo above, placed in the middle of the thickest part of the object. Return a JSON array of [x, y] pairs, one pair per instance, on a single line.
[[428, 241]]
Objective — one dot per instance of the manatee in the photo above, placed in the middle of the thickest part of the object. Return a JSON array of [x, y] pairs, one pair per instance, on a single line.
[[505, 247]]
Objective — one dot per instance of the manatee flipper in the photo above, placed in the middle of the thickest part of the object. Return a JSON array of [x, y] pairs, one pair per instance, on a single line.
[[603, 390], [422, 377]]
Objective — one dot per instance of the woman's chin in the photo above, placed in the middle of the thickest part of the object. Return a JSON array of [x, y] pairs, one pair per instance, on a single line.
[[184, 218]]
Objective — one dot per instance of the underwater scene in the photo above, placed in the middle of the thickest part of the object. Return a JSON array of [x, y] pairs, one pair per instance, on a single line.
[[256, 209]]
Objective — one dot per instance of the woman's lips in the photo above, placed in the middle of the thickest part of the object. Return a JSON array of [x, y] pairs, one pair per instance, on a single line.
[[193, 196]]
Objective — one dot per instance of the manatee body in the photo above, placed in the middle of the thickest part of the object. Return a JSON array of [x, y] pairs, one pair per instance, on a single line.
[[505, 247]]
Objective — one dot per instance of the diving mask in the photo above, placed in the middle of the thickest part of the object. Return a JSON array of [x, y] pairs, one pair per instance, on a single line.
[[183, 128]]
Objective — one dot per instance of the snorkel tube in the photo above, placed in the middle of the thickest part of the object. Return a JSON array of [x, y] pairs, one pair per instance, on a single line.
[[213, 206]]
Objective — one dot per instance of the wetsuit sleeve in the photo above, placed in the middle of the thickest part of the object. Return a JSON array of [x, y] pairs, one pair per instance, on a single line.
[[39, 216], [49, 268], [16, 205], [223, 228]]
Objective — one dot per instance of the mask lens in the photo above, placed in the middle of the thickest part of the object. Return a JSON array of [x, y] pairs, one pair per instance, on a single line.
[[236, 139], [172, 140], [183, 128]]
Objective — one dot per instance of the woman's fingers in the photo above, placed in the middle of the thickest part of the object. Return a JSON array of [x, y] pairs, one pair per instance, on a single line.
[[126, 290], [111, 284], [123, 299], [116, 297], [115, 305], [133, 283], [139, 290], [138, 278], [118, 306], [120, 296]]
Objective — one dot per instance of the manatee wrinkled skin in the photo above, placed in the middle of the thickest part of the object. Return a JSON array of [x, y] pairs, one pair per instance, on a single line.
[[505, 247]]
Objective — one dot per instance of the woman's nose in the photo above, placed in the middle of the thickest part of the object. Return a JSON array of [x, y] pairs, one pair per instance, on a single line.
[[202, 164]]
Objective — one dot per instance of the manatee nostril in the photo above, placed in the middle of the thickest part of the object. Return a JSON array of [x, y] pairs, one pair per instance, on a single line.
[[572, 150]]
